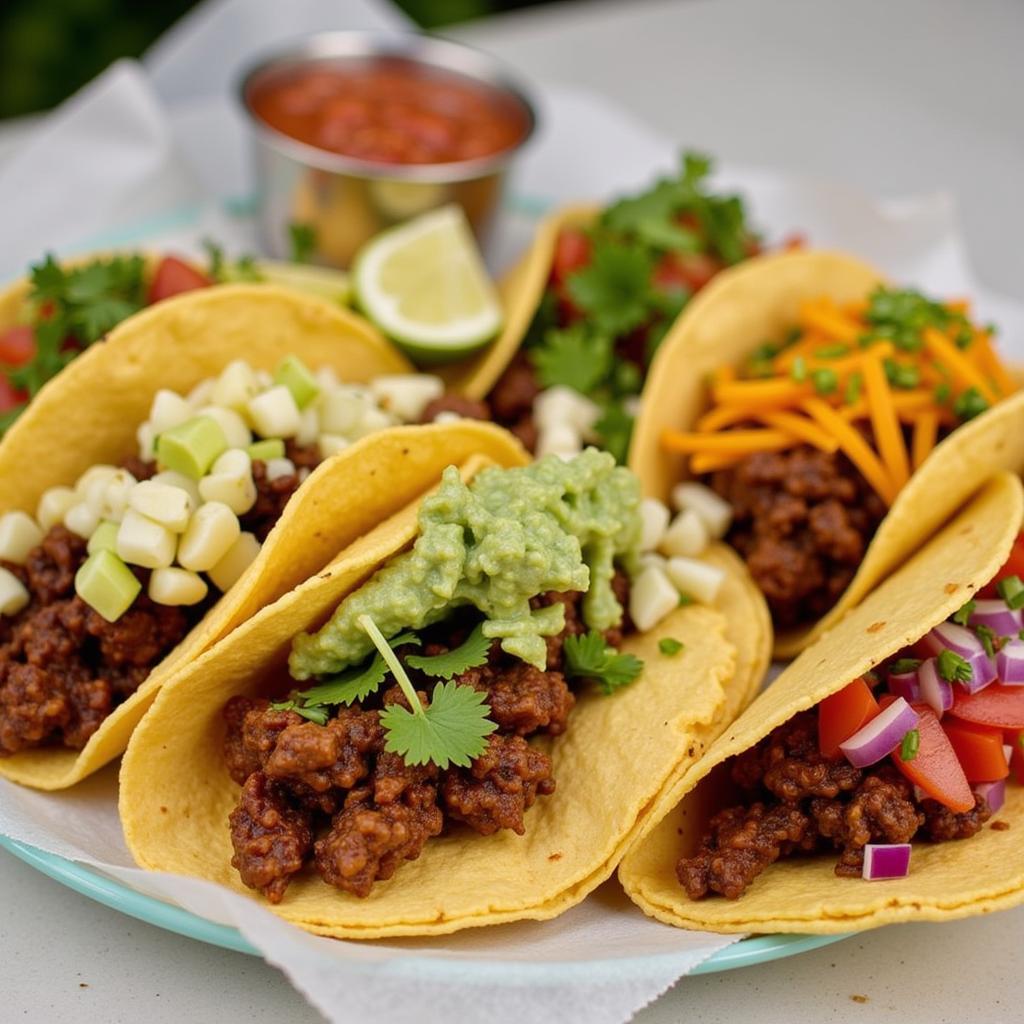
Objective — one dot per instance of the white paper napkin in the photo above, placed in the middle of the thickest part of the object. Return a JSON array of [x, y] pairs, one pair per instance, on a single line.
[[149, 154]]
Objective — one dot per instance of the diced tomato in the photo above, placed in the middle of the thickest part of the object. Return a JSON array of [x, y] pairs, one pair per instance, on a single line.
[[10, 396], [688, 271], [842, 714], [17, 346], [1016, 740], [979, 749], [572, 253], [173, 277], [1014, 566], [935, 767], [997, 705], [794, 242]]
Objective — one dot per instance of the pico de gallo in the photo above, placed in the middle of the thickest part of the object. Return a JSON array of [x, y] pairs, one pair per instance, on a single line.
[[921, 749], [813, 437]]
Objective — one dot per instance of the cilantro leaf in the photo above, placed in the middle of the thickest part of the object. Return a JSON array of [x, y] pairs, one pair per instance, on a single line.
[[303, 241], [614, 428], [452, 730], [590, 657], [471, 653], [575, 357], [614, 289]]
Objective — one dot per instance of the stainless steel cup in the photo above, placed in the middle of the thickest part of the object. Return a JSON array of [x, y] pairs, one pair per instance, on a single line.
[[346, 200]]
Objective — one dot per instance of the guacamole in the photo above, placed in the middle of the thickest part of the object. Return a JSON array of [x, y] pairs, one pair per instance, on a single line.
[[505, 538]]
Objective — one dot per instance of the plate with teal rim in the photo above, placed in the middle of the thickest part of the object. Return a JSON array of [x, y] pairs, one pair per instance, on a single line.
[[758, 949], [92, 884]]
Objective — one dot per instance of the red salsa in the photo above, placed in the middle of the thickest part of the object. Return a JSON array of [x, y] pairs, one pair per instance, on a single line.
[[389, 110]]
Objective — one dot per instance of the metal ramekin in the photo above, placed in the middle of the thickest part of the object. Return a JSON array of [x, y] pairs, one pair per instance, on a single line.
[[348, 200]]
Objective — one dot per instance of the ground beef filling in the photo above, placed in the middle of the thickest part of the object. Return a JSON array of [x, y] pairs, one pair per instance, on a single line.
[[799, 802], [331, 796], [802, 520], [63, 667]]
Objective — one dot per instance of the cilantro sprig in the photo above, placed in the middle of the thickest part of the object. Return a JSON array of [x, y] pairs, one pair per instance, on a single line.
[[589, 656], [471, 653]]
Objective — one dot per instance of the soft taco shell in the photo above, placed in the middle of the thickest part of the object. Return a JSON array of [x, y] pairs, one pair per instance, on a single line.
[[98, 401], [947, 880], [759, 300], [521, 291], [612, 767]]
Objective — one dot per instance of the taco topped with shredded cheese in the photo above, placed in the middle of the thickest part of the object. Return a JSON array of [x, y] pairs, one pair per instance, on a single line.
[[822, 405]]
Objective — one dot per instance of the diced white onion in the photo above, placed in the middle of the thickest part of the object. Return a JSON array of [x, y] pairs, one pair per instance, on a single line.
[[447, 416], [687, 536], [561, 405], [202, 393], [342, 409], [714, 510], [231, 482], [654, 520], [309, 426], [169, 410], [653, 558], [372, 421], [275, 468], [328, 379], [146, 438], [226, 573], [13, 595], [19, 534], [235, 430], [93, 480], [562, 440], [210, 534], [331, 444], [274, 413], [406, 395], [234, 387], [54, 505], [82, 519], [143, 541], [164, 503], [174, 586], [265, 379], [651, 598], [698, 579]]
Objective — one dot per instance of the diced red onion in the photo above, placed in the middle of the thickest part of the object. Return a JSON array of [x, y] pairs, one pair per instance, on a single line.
[[983, 672], [1007, 751], [1010, 663], [886, 860], [998, 616], [993, 792], [935, 691], [905, 685], [948, 636], [882, 735]]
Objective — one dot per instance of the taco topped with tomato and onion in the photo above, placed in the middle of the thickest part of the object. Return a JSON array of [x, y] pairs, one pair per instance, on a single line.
[[827, 410]]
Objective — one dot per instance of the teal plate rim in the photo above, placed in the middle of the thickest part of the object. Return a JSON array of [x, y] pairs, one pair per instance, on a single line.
[[759, 949]]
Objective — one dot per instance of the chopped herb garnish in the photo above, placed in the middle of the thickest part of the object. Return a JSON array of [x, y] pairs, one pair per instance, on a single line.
[[903, 665], [1011, 590], [669, 646], [901, 376], [590, 657], [471, 653], [963, 614], [826, 381], [953, 668], [853, 389], [943, 392], [574, 357], [302, 240], [615, 430], [685, 599], [614, 288], [832, 351], [910, 745], [901, 315], [970, 403], [990, 640], [799, 370]]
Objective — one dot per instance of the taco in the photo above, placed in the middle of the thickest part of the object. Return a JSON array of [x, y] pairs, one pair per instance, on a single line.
[[889, 751], [587, 306], [60, 309], [458, 723], [156, 472], [827, 410]]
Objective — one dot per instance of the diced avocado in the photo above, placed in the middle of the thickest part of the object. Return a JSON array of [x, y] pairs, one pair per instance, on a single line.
[[271, 448], [104, 538], [192, 447], [106, 584], [295, 376]]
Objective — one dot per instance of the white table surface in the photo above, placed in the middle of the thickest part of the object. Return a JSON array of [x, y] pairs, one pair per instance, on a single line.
[[897, 96]]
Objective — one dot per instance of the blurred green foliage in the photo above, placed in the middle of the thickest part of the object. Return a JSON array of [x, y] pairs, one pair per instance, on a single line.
[[50, 48]]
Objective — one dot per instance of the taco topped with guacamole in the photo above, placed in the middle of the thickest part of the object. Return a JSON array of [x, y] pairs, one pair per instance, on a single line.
[[588, 307], [909, 770], [486, 683], [808, 394], [144, 482]]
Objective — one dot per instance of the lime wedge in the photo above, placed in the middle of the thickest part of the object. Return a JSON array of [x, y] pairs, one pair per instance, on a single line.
[[333, 285], [425, 286]]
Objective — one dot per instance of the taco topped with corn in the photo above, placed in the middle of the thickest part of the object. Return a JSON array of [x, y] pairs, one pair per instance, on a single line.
[[820, 403]]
